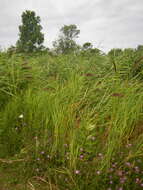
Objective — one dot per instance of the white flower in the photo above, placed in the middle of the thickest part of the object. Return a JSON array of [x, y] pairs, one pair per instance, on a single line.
[[21, 116]]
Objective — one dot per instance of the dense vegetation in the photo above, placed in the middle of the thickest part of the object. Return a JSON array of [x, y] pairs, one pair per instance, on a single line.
[[71, 121], [72, 117]]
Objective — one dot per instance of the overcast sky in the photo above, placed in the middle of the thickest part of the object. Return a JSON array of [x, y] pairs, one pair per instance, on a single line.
[[105, 23]]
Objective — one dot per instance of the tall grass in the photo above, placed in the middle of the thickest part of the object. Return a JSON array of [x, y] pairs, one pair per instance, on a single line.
[[74, 121]]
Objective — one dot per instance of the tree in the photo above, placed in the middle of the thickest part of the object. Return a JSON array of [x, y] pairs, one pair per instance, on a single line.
[[87, 46], [30, 36], [66, 42]]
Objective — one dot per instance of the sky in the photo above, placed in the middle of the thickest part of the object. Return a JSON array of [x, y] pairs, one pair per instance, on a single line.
[[106, 24]]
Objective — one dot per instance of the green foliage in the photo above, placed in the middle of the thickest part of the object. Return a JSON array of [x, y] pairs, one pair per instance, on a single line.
[[71, 122], [87, 46], [115, 52], [66, 42], [30, 36]]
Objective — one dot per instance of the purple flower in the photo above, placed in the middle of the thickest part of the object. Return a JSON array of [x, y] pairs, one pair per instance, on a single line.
[[81, 156], [111, 182], [38, 159], [141, 184], [42, 152], [122, 180]]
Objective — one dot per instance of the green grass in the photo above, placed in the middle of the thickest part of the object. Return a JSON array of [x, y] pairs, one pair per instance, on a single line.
[[69, 122]]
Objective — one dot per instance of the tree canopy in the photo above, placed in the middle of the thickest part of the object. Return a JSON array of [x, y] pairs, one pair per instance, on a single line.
[[66, 41], [30, 36]]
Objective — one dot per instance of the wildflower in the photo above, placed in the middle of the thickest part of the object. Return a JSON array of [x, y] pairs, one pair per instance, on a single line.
[[120, 188], [37, 169], [128, 164], [122, 180], [38, 159], [137, 180], [98, 172], [81, 149], [93, 138], [137, 170], [21, 116], [141, 184], [81, 156], [42, 152], [111, 182], [48, 156], [65, 145], [77, 171]]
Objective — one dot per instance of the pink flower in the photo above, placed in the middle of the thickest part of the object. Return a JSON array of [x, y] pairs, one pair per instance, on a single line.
[[77, 171], [81, 156], [128, 164], [120, 188], [137, 180]]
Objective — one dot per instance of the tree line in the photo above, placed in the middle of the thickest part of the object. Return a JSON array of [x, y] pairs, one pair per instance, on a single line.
[[31, 39]]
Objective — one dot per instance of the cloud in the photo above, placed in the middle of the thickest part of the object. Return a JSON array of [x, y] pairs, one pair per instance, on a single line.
[[107, 24]]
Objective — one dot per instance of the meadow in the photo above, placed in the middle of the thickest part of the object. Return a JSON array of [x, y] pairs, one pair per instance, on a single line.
[[70, 122]]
